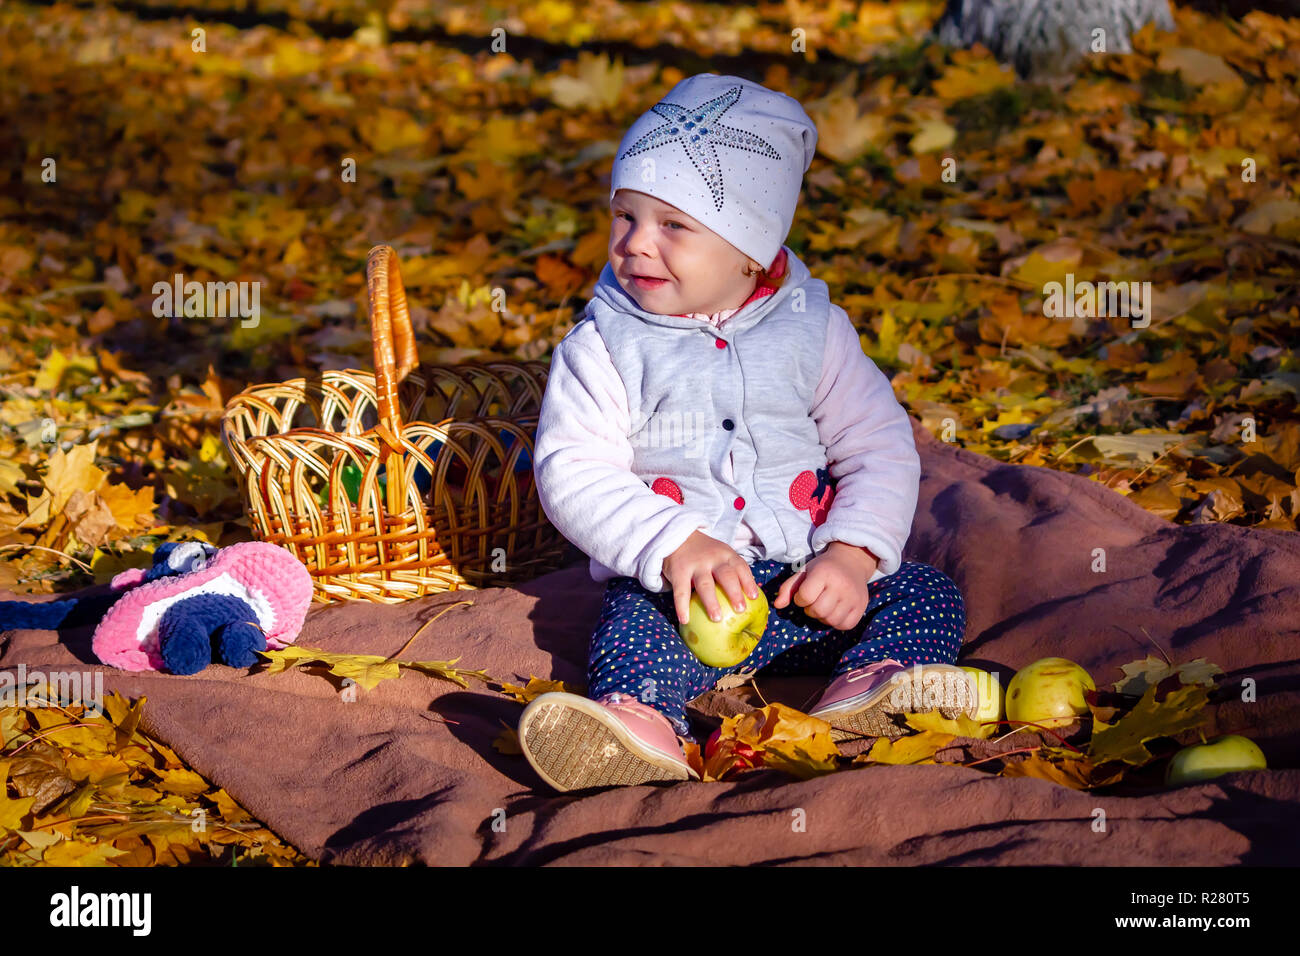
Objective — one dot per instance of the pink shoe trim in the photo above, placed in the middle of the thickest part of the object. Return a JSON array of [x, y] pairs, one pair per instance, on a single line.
[[842, 687], [871, 670], [648, 725]]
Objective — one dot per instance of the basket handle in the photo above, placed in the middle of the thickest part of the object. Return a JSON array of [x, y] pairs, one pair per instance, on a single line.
[[395, 356], [390, 330]]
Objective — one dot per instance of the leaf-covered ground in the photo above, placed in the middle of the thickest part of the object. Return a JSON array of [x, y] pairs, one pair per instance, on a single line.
[[488, 170]]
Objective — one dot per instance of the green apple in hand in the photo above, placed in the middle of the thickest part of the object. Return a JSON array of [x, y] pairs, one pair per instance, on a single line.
[[1226, 754], [727, 642]]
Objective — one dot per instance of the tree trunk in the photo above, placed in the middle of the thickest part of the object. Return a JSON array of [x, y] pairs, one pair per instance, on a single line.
[[1044, 36]]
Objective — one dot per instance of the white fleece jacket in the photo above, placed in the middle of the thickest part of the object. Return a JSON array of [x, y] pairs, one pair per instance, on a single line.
[[583, 460]]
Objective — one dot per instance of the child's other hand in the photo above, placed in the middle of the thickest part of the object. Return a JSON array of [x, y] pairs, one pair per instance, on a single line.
[[697, 564], [832, 587]]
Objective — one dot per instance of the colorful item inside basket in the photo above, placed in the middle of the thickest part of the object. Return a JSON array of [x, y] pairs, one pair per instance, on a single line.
[[351, 473]]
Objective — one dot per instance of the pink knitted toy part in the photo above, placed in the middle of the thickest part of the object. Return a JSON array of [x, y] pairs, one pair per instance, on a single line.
[[275, 584]]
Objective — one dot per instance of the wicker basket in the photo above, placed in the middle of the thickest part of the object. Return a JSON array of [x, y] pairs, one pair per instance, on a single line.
[[314, 457]]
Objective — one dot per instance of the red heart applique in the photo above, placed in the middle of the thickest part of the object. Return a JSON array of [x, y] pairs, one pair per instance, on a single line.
[[813, 493], [666, 486]]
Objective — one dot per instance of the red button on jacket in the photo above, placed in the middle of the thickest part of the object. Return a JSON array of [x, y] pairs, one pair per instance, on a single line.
[[719, 343], [739, 503]]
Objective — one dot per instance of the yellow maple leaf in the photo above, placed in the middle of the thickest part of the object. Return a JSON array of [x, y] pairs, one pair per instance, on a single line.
[[1038, 269], [387, 129], [446, 671], [71, 471], [76, 853], [51, 371], [507, 742], [231, 812], [931, 135], [1268, 215], [366, 669], [132, 510], [536, 687], [963, 725], [912, 749], [183, 782], [597, 85], [1022, 415], [11, 811], [10, 474], [844, 132], [292, 57], [973, 77], [1125, 740], [102, 771], [884, 346]]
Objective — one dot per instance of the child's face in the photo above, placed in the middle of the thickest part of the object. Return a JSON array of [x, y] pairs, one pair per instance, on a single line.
[[700, 271]]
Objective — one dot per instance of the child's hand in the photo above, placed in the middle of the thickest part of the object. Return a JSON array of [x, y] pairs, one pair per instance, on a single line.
[[832, 587], [697, 563]]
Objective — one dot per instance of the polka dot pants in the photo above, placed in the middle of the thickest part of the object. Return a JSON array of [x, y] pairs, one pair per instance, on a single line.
[[915, 616]]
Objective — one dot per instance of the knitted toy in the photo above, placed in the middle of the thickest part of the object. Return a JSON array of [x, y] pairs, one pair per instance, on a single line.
[[194, 604], [172, 557]]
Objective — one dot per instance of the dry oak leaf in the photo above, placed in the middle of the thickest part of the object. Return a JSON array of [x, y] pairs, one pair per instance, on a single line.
[[1139, 675], [787, 739], [772, 737], [1074, 772], [1197, 67]]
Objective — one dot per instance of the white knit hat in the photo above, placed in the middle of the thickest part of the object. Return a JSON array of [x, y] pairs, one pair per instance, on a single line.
[[727, 152]]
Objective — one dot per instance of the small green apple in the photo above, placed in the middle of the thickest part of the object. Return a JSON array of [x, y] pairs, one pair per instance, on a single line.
[[1049, 692], [991, 699], [1226, 754], [727, 642], [988, 689]]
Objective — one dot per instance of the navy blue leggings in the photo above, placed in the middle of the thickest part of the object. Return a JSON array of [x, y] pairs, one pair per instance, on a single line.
[[915, 616]]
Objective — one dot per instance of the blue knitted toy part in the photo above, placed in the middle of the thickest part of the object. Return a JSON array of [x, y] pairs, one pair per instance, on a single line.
[[180, 557], [169, 558], [195, 631]]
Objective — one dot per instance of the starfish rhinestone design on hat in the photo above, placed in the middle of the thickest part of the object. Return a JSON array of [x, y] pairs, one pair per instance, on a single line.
[[747, 190], [700, 133]]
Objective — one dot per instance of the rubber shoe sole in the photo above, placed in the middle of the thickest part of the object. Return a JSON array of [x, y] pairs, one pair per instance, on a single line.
[[574, 743], [872, 714]]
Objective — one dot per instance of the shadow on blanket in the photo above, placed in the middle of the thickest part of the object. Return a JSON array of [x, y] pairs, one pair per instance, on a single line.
[[408, 773]]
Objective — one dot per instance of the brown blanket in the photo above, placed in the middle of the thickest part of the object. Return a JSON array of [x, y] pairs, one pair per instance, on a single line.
[[407, 773]]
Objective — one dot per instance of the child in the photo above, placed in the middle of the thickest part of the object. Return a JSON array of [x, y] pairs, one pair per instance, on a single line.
[[717, 420]]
